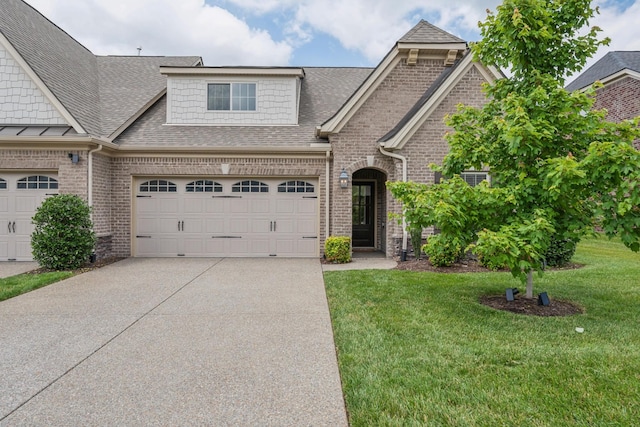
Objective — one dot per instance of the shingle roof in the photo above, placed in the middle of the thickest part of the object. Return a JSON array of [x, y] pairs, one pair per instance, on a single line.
[[101, 93], [424, 32], [323, 91], [63, 64], [608, 65], [128, 83], [423, 100]]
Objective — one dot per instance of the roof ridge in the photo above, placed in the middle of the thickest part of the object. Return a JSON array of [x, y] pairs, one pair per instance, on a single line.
[[424, 24], [59, 28]]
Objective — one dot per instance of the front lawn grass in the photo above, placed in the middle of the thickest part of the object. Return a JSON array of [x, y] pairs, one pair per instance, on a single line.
[[419, 349], [16, 285]]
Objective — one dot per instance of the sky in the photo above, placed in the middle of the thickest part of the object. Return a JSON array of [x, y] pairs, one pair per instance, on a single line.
[[349, 33]]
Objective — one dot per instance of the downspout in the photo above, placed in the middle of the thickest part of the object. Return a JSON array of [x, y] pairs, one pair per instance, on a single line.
[[404, 179], [90, 177], [327, 208]]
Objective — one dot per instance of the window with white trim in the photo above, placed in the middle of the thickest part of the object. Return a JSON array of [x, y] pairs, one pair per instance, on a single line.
[[250, 187], [158, 186], [204, 186], [474, 178], [231, 97], [37, 182], [296, 187]]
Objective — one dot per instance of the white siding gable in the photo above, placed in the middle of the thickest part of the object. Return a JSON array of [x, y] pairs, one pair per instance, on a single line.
[[21, 101], [276, 102]]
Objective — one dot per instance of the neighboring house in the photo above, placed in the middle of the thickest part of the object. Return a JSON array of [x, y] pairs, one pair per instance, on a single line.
[[619, 72], [179, 159]]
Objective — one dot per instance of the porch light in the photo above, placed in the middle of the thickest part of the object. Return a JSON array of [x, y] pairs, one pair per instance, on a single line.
[[344, 179], [74, 158]]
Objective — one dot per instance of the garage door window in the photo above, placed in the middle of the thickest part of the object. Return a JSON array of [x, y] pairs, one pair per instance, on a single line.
[[296, 187], [204, 186], [250, 187], [36, 182], [158, 186], [3, 184]]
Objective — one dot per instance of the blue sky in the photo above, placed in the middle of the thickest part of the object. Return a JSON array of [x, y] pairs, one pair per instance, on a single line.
[[354, 33]]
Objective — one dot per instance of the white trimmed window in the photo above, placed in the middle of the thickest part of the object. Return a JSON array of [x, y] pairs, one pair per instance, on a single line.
[[231, 97], [474, 178]]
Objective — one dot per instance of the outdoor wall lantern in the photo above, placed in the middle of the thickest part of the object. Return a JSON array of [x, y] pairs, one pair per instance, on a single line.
[[74, 158], [344, 179]]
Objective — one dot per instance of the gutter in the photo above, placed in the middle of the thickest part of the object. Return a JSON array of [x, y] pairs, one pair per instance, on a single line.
[[404, 179], [90, 178], [327, 206]]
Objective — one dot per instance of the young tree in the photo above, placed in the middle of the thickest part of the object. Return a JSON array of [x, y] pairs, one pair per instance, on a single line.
[[558, 168]]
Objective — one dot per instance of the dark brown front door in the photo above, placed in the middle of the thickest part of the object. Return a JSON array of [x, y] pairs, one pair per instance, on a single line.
[[363, 214]]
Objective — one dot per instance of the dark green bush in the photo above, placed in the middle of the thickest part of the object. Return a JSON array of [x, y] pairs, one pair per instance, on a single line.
[[338, 249], [63, 238], [560, 252]]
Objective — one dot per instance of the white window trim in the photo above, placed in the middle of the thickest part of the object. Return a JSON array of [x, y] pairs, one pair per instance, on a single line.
[[230, 83]]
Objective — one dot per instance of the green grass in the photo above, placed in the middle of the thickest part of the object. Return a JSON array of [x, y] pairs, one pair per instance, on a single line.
[[419, 349], [22, 283]]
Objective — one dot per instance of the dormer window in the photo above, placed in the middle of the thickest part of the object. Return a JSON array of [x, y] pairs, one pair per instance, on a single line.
[[231, 96]]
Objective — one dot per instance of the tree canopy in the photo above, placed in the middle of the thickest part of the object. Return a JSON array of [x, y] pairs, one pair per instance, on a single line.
[[558, 168]]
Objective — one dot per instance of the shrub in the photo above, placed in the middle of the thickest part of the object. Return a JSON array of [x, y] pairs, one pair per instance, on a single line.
[[442, 250], [63, 238], [338, 249], [559, 252]]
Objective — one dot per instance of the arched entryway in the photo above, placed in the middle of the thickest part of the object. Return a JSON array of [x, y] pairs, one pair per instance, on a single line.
[[369, 210]]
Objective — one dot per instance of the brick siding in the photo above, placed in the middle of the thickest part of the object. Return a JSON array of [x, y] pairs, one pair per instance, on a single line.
[[621, 99]]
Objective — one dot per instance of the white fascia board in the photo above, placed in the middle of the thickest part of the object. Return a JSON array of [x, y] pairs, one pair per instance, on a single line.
[[41, 85], [337, 122], [233, 71], [491, 74], [433, 46], [620, 75], [137, 115]]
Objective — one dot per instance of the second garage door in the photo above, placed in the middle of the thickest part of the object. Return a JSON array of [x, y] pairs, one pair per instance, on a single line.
[[213, 217]]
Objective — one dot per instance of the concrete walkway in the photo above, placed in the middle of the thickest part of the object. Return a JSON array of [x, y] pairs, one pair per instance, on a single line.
[[11, 268], [173, 342]]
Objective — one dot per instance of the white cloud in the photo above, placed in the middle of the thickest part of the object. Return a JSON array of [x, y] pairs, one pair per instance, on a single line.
[[369, 27], [165, 27]]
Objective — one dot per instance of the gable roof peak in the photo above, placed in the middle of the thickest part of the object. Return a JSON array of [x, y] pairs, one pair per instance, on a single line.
[[425, 32]]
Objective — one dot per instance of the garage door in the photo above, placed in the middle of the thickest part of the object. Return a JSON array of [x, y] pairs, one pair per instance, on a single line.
[[225, 217], [20, 196]]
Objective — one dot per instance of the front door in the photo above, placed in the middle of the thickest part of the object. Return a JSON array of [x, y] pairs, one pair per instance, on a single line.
[[363, 214]]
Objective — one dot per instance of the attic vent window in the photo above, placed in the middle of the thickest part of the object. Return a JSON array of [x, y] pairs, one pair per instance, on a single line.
[[231, 96]]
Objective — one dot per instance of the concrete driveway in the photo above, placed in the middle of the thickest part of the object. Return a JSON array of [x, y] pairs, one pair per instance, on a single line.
[[173, 342]]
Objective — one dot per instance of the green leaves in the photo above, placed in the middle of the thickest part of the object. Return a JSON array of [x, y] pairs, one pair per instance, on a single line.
[[63, 238], [558, 168]]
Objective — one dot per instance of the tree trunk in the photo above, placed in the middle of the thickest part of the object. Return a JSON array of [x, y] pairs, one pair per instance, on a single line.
[[530, 284]]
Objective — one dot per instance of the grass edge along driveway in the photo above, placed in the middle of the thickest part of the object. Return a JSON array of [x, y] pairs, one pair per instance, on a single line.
[[16, 285], [419, 349]]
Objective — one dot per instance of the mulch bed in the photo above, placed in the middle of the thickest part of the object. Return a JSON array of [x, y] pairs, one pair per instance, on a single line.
[[464, 266], [520, 305], [87, 267], [530, 307]]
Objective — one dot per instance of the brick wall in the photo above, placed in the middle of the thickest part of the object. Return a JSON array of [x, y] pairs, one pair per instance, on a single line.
[[126, 169], [621, 99], [382, 111]]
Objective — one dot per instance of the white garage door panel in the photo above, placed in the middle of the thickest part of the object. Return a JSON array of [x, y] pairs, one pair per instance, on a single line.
[[227, 223], [17, 207]]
